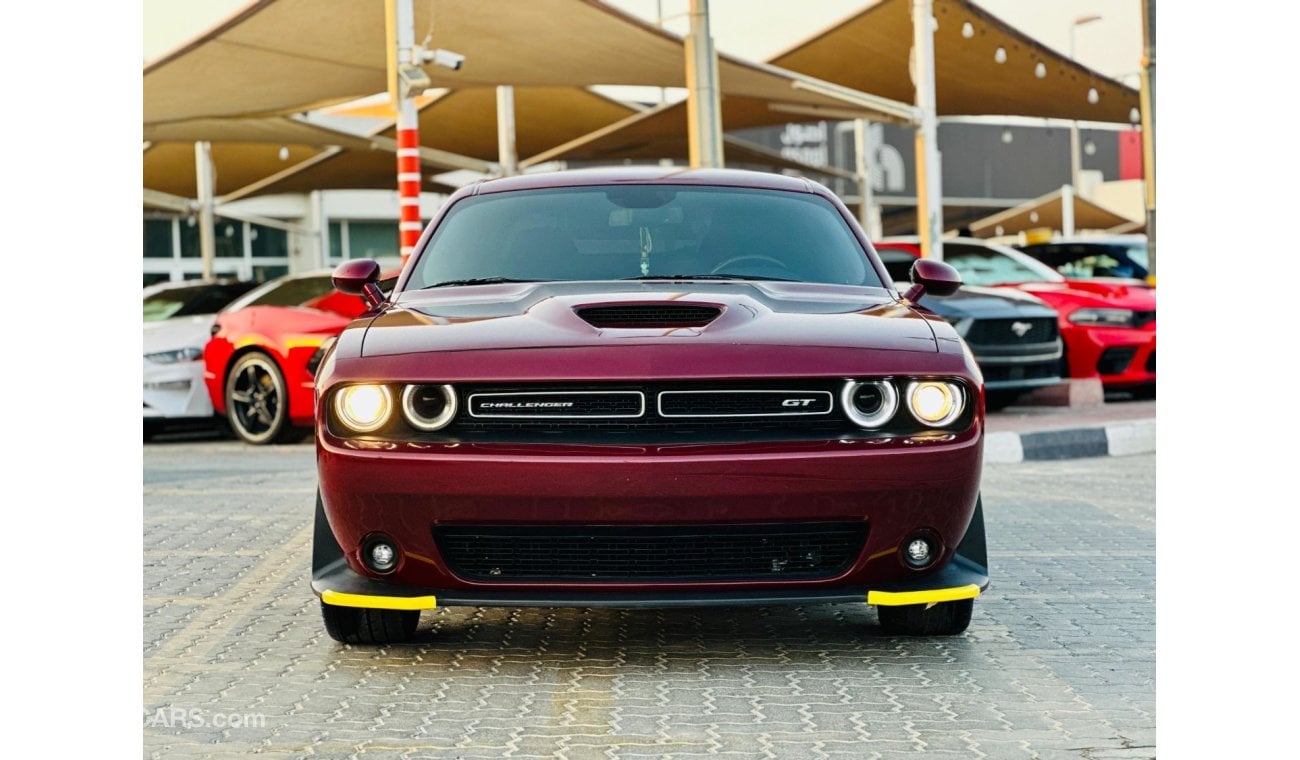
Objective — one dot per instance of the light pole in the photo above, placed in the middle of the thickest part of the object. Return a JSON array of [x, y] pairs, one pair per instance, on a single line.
[[1076, 158], [703, 109]]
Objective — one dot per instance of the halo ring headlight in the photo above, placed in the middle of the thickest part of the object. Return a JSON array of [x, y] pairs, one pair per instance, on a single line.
[[363, 408], [877, 417], [410, 404], [935, 403]]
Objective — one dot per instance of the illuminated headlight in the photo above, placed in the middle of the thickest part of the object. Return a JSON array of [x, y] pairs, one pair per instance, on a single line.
[[869, 403], [429, 407], [363, 408], [935, 403], [179, 355], [1104, 317]]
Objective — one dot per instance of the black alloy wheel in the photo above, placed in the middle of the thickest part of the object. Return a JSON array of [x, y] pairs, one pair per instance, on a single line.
[[257, 401]]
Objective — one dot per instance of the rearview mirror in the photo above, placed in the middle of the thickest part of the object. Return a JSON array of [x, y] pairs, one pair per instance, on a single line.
[[933, 277], [359, 277]]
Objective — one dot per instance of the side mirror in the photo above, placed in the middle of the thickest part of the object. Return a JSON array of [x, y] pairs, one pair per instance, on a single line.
[[933, 277], [359, 277]]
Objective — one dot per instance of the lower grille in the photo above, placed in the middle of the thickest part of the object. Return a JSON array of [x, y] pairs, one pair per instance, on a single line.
[[997, 373], [1115, 360], [612, 553], [1151, 362]]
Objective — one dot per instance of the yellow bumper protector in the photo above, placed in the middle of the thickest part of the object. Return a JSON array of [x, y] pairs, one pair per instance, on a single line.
[[340, 599], [931, 596]]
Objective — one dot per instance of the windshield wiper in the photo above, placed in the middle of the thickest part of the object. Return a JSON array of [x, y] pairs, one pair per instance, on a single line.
[[709, 277], [477, 281]]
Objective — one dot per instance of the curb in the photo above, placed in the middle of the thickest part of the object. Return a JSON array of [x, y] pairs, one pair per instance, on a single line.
[[1116, 440]]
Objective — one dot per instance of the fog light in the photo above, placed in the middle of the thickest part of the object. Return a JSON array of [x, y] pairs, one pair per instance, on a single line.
[[920, 550], [380, 556]]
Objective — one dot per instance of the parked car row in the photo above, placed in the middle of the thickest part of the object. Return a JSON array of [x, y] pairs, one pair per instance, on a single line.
[[1027, 325], [1107, 324]]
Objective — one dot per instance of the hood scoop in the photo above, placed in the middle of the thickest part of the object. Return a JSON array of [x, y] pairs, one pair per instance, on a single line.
[[658, 314]]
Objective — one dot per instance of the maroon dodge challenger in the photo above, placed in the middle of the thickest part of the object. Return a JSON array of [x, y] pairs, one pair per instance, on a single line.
[[646, 387]]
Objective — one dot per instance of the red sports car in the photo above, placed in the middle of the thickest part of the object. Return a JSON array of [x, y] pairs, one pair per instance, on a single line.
[[257, 365], [1108, 326], [647, 387]]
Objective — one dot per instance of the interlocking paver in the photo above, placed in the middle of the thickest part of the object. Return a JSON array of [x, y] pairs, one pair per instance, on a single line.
[[1058, 662]]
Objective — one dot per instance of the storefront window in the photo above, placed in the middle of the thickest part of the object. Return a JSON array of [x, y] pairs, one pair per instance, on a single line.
[[158, 239], [268, 242], [372, 240]]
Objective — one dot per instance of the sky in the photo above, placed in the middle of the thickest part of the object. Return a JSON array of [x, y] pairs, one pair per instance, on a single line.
[[758, 29]]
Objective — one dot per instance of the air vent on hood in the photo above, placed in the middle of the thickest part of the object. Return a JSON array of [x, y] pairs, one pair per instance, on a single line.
[[649, 315]]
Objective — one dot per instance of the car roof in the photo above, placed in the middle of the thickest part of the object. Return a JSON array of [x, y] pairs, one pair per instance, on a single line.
[[646, 175]]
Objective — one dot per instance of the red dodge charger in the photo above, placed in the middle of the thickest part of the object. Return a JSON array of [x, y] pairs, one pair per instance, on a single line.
[[640, 387]]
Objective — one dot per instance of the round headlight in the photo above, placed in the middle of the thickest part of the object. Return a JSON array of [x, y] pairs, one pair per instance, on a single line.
[[363, 408], [935, 403], [429, 407], [869, 403]]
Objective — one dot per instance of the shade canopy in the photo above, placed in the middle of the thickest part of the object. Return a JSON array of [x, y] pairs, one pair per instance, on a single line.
[[869, 51], [336, 51], [1046, 211]]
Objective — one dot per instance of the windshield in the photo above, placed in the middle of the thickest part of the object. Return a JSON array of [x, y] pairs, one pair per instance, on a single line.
[[192, 299], [643, 231], [287, 291], [980, 265]]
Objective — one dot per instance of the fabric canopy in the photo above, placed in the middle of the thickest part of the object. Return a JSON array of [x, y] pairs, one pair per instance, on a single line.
[[281, 56], [869, 51], [169, 168], [1046, 211], [661, 133]]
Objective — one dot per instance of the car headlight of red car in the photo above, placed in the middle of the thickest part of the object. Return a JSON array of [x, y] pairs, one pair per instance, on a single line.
[[1104, 317], [429, 407], [935, 403], [363, 408]]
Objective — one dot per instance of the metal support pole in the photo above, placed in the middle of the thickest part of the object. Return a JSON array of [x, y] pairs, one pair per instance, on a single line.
[[703, 105], [400, 15], [929, 183], [1076, 158], [1147, 99], [868, 211], [205, 177], [1067, 211], [507, 153]]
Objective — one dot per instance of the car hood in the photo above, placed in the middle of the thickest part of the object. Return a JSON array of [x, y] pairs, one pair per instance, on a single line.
[[987, 303], [542, 315], [1118, 294], [177, 333]]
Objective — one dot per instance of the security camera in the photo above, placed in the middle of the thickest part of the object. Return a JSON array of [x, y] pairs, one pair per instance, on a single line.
[[444, 58]]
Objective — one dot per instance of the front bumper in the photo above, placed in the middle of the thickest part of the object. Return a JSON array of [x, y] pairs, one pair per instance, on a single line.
[[174, 391], [964, 576], [896, 486], [1122, 357]]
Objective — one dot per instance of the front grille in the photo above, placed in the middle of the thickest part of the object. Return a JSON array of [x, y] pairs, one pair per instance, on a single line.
[[1000, 373], [1115, 360], [557, 405], [649, 315], [1151, 362], [743, 403], [999, 332], [612, 553]]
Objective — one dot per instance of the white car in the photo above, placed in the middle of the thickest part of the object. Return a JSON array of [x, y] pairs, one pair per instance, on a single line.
[[178, 319]]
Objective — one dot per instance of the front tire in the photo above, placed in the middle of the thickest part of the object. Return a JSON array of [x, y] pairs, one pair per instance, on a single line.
[[942, 619], [257, 400], [353, 625]]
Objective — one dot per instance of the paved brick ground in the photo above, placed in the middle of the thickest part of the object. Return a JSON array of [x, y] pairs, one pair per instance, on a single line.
[[1059, 660]]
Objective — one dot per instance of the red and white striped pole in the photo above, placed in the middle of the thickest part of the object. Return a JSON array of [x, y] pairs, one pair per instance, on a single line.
[[401, 44]]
